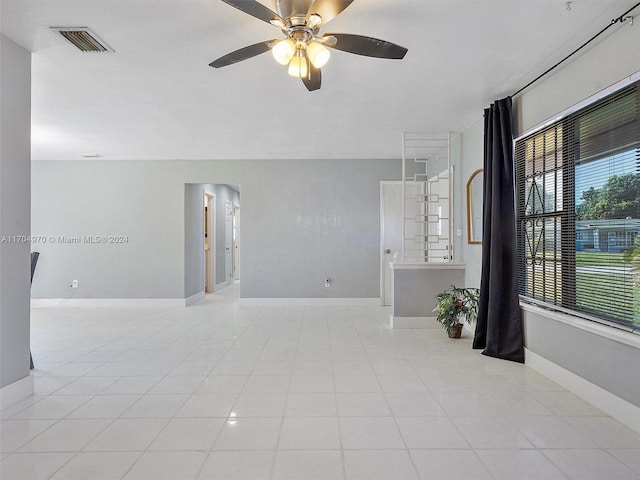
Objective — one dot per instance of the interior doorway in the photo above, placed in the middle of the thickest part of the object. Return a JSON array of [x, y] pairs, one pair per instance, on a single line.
[[209, 241]]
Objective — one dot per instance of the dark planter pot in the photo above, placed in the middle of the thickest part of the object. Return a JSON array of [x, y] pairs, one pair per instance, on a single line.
[[455, 331]]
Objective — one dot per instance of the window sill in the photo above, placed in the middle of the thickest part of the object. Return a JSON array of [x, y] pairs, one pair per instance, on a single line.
[[611, 333]]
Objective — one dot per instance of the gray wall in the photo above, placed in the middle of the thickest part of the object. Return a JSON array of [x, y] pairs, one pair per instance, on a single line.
[[415, 291], [135, 200], [193, 240], [604, 362], [15, 204], [301, 222], [595, 358]]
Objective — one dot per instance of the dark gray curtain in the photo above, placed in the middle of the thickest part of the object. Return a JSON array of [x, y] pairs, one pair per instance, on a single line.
[[499, 323]]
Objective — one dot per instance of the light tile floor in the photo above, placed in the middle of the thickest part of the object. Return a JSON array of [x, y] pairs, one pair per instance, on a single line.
[[217, 391]]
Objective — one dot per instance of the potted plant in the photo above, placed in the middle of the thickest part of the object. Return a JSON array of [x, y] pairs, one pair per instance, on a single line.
[[456, 305]]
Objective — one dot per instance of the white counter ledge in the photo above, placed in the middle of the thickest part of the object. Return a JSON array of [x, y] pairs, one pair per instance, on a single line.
[[427, 266]]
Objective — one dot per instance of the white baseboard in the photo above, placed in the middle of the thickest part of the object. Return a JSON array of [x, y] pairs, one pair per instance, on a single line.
[[182, 302], [220, 286], [309, 302], [618, 408], [412, 322], [107, 302], [194, 298], [16, 391]]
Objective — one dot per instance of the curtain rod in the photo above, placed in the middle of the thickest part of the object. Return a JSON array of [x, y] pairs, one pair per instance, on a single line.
[[620, 19]]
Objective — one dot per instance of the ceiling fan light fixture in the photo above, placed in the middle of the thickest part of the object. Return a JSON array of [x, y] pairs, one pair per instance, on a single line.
[[276, 22], [298, 66], [283, 51], [314, 20], [304, 48], [318, 54]]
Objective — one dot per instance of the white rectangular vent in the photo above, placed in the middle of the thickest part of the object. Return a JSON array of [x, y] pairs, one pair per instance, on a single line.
[[83, 38]]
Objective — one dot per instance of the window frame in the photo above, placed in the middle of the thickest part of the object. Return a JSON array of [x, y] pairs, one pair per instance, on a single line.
[[566, 215]]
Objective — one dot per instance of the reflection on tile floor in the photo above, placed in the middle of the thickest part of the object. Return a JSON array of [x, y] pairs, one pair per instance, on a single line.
[[217, 391]]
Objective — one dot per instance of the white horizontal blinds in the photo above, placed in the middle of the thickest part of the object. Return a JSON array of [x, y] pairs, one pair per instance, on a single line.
[[607, 212], [539, 170], [578, 200]]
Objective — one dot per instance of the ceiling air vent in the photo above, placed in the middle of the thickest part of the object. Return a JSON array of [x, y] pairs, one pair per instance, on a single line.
[[83, 38]]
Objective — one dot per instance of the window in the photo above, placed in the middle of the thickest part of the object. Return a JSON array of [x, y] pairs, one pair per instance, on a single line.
[[578, 211]]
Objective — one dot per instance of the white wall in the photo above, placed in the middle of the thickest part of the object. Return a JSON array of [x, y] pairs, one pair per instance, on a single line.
[[302, 221], [456, 155], [15, 203], [472, 154], [610, 60]]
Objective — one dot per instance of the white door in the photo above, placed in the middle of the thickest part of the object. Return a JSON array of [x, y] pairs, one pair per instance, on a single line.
[[390, 233], [391, 230], [228, 240]]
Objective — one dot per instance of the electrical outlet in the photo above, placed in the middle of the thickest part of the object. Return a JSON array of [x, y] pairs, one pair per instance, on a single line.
[[74, 284]]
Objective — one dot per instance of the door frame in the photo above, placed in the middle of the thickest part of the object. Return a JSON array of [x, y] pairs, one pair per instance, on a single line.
[[228, 204], [210, 269], [235, 243]]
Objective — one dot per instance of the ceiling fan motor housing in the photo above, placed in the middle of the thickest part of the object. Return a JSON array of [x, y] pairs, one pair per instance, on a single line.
[[293, 8], [300, 34]]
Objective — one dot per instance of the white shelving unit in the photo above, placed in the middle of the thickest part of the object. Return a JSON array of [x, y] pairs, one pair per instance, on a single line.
[[427, 198]]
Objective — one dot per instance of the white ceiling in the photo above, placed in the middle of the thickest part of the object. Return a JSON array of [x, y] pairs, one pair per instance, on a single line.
[[157, 98]]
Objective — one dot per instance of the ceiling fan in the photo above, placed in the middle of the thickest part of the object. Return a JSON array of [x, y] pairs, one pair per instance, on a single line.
[[304, 50]]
